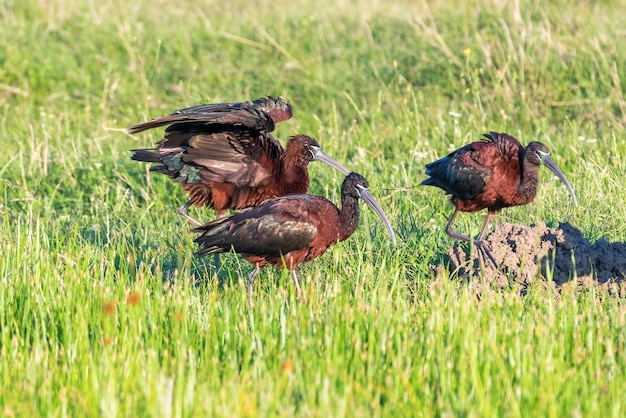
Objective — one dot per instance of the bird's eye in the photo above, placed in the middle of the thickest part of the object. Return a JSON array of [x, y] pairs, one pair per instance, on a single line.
[[360, 188], [542, 154]]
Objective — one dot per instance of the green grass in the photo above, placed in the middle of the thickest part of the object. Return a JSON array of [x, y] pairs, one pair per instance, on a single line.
[[104, 310]]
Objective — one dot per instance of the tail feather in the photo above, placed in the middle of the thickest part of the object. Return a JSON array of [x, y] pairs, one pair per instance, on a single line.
[[212, 239], [430, 182], [145, 155], [210, 250]]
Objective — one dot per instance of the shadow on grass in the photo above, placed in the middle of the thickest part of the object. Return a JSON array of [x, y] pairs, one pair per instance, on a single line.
[[132, 253]]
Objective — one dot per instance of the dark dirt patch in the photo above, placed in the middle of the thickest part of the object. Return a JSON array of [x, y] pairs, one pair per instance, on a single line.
[[528, 253]]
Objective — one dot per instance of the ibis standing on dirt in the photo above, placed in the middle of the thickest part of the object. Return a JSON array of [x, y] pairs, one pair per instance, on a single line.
[[495, 173]]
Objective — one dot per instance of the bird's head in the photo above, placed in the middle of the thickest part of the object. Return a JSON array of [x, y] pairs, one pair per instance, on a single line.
[[355, 185], [309, 150], [537, 153]]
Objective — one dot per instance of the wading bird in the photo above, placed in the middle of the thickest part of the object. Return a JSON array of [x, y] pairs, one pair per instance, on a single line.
[[495, 173], [224, 156], [288, 230]]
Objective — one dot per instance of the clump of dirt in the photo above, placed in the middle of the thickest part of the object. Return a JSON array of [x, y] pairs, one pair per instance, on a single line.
[[525, 252]]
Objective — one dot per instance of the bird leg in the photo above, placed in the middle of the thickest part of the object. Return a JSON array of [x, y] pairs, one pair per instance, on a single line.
[[295, 283], [481, 245], [182, 211], [251, 278]]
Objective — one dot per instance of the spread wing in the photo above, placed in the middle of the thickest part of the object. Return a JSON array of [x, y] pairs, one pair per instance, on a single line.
[[278, 226], [260, 115], [237, 158], [223, 142]]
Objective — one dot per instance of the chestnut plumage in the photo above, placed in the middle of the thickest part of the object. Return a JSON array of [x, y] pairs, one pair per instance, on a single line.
[[492, 174], [288, 230], [224, 156]]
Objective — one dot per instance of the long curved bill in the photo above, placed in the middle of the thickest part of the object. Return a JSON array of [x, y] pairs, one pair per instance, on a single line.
[[551, 165], [369, 199], [320, 155]]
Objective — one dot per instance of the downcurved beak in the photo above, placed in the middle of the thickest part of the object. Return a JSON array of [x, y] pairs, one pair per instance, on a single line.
[[320, 155], [369, 199], [551, 165]]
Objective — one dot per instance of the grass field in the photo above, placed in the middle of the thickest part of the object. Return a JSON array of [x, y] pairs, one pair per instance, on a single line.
[[104, 310]]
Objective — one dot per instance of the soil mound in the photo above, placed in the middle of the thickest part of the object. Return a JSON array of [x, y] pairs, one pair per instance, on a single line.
[[525, 252]]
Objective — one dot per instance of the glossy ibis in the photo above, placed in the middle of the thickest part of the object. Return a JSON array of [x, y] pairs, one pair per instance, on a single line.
[[288, 230], [494, 173], [224, 156]]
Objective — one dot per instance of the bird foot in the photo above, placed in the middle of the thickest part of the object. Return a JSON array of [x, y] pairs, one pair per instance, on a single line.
[[486, 256], [190, 219], [249, 284], [182, 212], [299, 293]]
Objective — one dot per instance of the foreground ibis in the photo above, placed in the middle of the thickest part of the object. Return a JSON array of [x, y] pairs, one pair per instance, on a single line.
[[288, 230], [494, 173], [224, 156]]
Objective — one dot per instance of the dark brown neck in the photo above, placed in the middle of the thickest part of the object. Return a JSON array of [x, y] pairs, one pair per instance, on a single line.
[[527, 188], [293, 176], [349, 216]]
